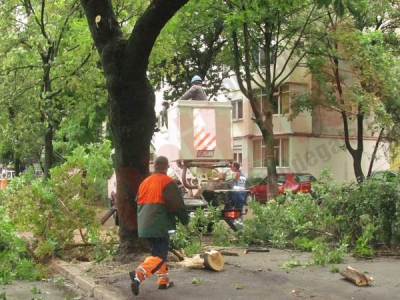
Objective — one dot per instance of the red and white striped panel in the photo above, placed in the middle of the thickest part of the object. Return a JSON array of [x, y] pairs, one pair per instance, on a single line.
[[204, 129]]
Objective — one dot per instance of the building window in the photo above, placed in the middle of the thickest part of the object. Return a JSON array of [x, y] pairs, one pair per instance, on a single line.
[[238, 155], [237, 110], [259, 55], [281, 153], [284, 99], [281, 102]]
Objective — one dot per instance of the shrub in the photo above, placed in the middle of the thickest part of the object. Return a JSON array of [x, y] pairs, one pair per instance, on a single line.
[[340, 217], [15, 262], [53, 210]]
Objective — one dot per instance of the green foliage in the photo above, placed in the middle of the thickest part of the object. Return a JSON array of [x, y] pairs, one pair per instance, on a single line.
[[303, 243], [202, 221], [193, 248], [293, 262], [192, 43], [341, 218], [221, 235], [49, 79], [334, 269], [300, 103], [356, 69], [35, 290], [280, 221], [197, 280], [324, 254], [363, 244], [54, 211], [15, 262], [186, 240]]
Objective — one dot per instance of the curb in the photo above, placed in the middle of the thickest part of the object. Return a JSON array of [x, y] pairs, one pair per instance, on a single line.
[[85, 283]]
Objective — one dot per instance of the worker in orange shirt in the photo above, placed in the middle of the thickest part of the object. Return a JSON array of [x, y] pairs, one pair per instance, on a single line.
[[159, 204], [3, 183]]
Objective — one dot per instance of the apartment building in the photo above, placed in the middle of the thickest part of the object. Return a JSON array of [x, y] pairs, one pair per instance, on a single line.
[[313, 141]]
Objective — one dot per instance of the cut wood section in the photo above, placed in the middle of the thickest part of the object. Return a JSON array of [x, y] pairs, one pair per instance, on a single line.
[[192, 262], [211, 260], [355, 276]]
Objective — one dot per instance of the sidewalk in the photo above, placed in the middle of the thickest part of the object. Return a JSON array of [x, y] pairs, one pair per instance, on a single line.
[[79, 274]]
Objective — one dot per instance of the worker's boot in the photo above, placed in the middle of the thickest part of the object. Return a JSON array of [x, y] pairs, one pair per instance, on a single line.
[[136, 278], [165, 286], [135, 287], [163, 278]]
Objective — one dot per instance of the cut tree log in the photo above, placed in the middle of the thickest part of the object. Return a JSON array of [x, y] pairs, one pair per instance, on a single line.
[[192, 262], [355, 276], [211, 260]]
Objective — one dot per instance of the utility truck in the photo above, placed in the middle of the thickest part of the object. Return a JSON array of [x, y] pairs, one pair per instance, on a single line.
[[197, 140]]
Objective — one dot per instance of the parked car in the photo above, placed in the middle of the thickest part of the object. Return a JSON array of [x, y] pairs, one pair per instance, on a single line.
[[295, 182]]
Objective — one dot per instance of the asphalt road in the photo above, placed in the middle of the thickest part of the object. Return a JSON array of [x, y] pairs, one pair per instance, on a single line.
[[247, 276], [259, 276]]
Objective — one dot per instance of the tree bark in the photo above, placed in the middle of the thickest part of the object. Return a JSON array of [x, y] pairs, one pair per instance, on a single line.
[[268, 136], [48, 151], [264, 118], [355, 276], [17, 165], [356, 153], [371, 163], [131, 100]]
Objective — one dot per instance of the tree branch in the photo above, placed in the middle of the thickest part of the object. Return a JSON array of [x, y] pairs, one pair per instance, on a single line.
[[102, 22], [146, 31]]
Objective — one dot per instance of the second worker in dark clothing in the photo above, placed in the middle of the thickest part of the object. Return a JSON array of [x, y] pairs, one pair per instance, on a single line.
[[196, 91]]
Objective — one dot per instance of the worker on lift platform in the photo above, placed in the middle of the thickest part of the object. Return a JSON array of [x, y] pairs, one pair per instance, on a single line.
[[196, 91]]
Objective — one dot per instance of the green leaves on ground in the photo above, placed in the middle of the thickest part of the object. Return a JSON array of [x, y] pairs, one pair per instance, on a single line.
[[202, 221], [360, 219], [15, 262], [57, 211]]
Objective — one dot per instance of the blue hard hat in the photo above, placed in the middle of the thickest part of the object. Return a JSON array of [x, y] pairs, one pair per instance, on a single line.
[[196, 78]]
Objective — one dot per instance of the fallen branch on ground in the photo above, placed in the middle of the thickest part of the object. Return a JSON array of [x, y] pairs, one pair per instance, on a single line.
[[356, 277]]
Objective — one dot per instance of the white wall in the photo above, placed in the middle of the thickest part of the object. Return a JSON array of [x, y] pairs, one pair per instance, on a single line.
[[313, 154]]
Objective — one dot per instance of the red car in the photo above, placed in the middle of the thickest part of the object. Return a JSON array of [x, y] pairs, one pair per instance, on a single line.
[[295, 182]]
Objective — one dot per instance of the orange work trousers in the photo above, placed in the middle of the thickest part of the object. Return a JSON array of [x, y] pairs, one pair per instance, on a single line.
[[151, 265], [157, 262]]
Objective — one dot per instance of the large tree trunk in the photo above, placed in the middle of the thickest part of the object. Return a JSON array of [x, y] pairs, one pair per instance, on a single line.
[[131, 100], [132, 123], [357, 158], [17, 165], [48, 151], [268, 136], [264, 118]]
